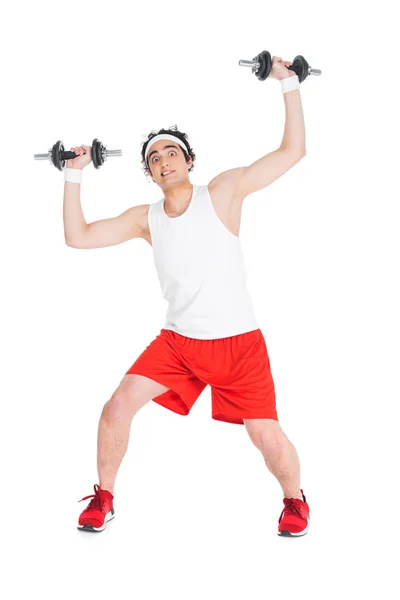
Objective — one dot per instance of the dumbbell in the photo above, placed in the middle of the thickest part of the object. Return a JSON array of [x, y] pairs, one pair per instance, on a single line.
[[58, 155], [262, 63]]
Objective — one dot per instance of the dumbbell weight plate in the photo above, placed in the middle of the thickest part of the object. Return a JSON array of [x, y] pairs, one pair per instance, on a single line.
[[97, 157], [264, 58], [56, 154], [94, 153], [300, 66], [100, 156]]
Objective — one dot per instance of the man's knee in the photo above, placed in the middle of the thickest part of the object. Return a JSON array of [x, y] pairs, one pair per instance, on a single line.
[[127, 399], [264, 432]]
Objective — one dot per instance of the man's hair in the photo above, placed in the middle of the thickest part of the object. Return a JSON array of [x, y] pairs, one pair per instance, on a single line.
[[173, 130]]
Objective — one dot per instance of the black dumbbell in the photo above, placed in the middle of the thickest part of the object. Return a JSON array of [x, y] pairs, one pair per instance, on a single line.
[[262, 63], [58, 155]]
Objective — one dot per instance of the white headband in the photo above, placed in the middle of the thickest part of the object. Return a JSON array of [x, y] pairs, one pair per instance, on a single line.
[[164, 136]]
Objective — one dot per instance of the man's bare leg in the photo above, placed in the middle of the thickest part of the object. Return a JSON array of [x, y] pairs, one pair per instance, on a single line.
[[278, 452], [115, 422]]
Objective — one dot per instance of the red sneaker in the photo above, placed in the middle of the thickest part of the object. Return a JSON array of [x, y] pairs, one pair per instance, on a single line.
[[295, 517], [98, 512]]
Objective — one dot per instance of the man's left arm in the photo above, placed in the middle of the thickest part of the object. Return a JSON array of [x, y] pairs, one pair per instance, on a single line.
[[247, 180]]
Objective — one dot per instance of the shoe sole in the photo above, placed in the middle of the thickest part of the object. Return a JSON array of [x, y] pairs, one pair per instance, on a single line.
[[286, 533], [110, 515]]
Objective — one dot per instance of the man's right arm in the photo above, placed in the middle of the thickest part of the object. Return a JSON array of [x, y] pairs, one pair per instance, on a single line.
[[99, 234]]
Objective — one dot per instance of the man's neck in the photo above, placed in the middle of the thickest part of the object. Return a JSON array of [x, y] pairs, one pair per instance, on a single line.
[[179, 196], [177, 201]]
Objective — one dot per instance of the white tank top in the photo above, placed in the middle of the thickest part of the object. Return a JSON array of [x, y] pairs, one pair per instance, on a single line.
[[200, 266]]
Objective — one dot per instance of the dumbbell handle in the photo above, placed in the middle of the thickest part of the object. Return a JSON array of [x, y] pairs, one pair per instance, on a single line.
[[255, 64], [67, 154]]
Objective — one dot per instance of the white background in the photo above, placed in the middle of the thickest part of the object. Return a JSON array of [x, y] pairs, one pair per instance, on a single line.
[[196, 508]]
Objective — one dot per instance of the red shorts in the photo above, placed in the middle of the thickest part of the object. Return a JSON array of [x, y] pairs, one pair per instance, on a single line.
[[237, 368]]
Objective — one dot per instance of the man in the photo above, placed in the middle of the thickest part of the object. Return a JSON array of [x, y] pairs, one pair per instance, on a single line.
[[211, 336]]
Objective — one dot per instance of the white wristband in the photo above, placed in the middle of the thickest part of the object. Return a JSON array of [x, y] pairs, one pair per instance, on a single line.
[[290, 83], [73, 175]]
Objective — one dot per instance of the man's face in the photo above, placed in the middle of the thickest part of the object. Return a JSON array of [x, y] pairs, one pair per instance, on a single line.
[[164, 156]]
